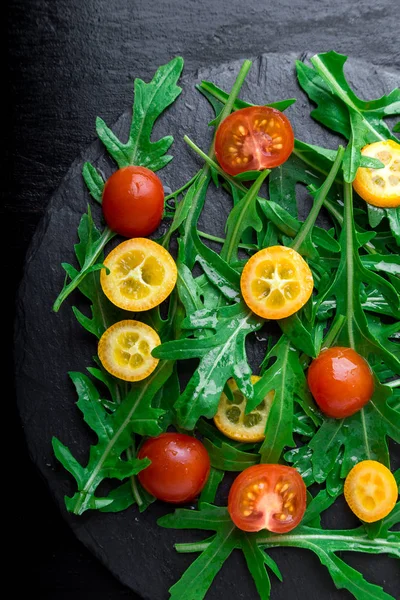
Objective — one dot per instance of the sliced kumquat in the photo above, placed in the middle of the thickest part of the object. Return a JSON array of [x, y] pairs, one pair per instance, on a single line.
[[380, 187], [276, 282], [125, 350], [232, 420], [370, 490], [141, 275]]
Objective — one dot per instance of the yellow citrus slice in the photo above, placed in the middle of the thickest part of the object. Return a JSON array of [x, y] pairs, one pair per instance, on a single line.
[[232, 420], [380, 187], [276, 282], [125, 350], [370, 490], [141, 274]]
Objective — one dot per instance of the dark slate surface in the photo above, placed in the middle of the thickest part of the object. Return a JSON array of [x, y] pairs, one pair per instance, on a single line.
[[70, 61]]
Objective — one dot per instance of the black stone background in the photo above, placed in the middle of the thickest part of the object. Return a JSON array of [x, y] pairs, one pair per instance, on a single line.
[[68, 61]]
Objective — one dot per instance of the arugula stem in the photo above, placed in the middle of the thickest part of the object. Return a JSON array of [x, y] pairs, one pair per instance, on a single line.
[[333, 332], [227, 109], [393, 384], [318, 201], [105, 237], [330, 206], [191, 547], [179, 191], [211, 163], [234, 235], [348, 221], [204, 175], [220, 240], [340, 539]]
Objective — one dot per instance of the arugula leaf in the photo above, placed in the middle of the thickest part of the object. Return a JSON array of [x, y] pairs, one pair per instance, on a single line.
[[126, 495], [256, 561], [362, 436], [243, 216], [114, 437], [222, 356], [341, 110], [209, 491], [103, 312], [227, 458], [350, 278], [94, 181], [324, 543], [210, 90], [198, 578], [286, 378], [151, 99], [90, 249]]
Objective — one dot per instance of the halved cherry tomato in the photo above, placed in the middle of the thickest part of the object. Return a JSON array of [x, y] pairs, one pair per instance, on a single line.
[[141, 274], [179, 468], [133, 201], [380, 187], [276, 282], [125, 350], [340, 381], [370, 490], [271, 497], [253, 138], [232, 421]]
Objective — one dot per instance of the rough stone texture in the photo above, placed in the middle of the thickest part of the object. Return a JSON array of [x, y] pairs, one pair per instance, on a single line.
[[49, 345], [68, 61]]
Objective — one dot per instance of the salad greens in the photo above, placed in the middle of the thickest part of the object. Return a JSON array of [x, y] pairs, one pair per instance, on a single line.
[[356, 268]]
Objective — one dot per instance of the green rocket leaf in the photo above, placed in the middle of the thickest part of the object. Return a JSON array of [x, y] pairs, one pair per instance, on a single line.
[[222, 356], [340, 109], [151, 99]]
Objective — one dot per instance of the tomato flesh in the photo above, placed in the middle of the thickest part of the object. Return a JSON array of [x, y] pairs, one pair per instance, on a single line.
[[179, 468], [133, 201], [253, 138], [271, 497], [340, 381]]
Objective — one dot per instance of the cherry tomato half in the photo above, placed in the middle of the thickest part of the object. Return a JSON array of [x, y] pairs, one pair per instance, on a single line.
[[340, 381], [253, 138], [271, 497], [133, 201], [179, 468]]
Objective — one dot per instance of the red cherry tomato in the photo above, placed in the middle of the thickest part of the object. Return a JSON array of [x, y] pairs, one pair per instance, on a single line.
[[179, 468], [253, 138], [271, 497], [133, 202], [340, 381]]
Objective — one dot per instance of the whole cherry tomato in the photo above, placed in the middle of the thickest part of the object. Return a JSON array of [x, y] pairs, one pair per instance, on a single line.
[[253, 138], [271, 497], [179, 468], [340, 381], [133, 201]]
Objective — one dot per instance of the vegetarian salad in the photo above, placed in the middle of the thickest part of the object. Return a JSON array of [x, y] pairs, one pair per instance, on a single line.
[[313, 420]]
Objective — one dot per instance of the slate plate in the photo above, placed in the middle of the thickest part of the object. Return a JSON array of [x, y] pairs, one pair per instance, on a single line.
[[48, 345]]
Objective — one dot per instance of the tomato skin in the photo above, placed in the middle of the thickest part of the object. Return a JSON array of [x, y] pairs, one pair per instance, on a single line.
[[253, 138], [179, 468], [340, 381], [133, 201], [258, 496]]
